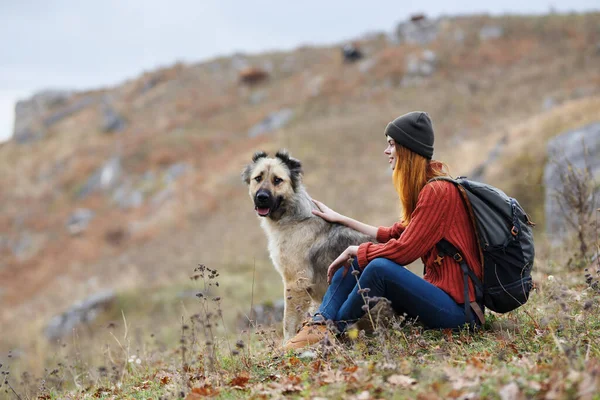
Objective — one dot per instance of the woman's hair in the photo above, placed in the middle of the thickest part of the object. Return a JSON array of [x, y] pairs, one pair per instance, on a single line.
[[411, 173]]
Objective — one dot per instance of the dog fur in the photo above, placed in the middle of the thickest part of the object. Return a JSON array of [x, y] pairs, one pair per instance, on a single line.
[[301, 245]]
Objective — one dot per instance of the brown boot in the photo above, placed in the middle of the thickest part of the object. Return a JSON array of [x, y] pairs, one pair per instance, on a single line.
[[309, 334]]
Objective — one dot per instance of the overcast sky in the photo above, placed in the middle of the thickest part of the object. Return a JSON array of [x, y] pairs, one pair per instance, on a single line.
[[61, 44]]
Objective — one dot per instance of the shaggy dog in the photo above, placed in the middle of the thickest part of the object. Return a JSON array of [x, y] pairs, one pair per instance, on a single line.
[[301, 245]]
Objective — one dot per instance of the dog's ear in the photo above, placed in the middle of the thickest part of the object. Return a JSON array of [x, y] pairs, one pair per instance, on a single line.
[[258, 155], [294, 165], [248, 169]]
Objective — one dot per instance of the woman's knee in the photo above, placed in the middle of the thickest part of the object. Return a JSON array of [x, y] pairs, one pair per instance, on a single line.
[[380, 269], [381, 266]]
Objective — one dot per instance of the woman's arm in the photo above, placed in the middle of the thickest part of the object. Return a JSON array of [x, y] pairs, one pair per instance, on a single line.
[[329, 215], [433, 214]]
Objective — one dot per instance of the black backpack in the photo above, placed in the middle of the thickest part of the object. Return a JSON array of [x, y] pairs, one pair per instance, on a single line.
[[506, 248]]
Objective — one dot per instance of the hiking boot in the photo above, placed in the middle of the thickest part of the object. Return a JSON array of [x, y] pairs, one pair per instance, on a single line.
[[309, 334]]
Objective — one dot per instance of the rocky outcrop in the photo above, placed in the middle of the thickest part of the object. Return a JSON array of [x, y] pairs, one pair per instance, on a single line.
[[66, 111], [569, 146], [104, 178], [491, 32], [266, 314], [79, 315], [43, 110], [79, 220], [420, 32], [28, 114], [419, 66], [111, 120], [272, 122]]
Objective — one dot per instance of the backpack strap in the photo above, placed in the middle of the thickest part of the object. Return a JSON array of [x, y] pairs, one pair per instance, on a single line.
[[446, 248], [464, 183]]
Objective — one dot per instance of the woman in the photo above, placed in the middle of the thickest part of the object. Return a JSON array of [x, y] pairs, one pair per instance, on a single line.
[[430, 212]]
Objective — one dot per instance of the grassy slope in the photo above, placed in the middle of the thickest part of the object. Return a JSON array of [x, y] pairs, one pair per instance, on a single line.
[[550, 348]]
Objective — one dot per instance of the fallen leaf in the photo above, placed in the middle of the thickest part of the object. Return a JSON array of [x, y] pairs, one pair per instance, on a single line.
[[316, 366], [454, 394], [163, 377], [351, 369], [401, 380], [239, 382], [199, 392], [448, 334], [294, 361]]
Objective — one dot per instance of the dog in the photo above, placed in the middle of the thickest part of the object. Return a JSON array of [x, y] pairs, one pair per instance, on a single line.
[[301, 244]]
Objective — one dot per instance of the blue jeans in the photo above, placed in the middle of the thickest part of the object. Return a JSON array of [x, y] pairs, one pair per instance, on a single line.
[[409, 294]]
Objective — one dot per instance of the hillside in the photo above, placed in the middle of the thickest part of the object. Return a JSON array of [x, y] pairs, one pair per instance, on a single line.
[[155, 162]]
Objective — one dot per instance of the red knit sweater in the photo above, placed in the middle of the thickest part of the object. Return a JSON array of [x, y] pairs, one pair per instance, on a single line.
[[440, 213]]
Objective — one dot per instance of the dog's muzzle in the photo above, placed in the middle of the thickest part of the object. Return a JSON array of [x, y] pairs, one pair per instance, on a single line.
[[263, 202]]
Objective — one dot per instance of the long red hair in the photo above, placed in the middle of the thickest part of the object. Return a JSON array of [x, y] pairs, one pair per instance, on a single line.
[[411, 173]]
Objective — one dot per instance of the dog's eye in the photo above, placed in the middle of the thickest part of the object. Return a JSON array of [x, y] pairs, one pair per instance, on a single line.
[[258, 178], [277, 181]]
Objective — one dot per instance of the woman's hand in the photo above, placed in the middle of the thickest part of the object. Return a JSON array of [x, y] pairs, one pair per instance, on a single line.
[[343, 260], [326, 213]]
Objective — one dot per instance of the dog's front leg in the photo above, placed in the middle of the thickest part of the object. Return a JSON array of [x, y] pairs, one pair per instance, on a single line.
[[297, 305]]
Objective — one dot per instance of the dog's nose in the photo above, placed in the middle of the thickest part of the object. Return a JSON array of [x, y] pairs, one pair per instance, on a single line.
[[262, 197]]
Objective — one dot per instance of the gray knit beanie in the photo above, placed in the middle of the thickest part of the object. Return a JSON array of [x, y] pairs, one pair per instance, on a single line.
[[413, 131]]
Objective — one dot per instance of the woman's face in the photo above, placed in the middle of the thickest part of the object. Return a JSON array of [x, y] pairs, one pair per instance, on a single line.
[[390, 151]]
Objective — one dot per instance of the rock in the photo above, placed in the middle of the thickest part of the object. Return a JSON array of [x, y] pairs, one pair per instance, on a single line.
[[491, 32], [104, 178], [429, 56], [151, 82], [79, 220], [568, 146], [420, 32], [174, 171], [111, 120], [67, 111], [419, 66], [79, 315], [28, 125], [126, 197], [273, 121], [265, 314], [549, 103], [159, 198], [26, 246]]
